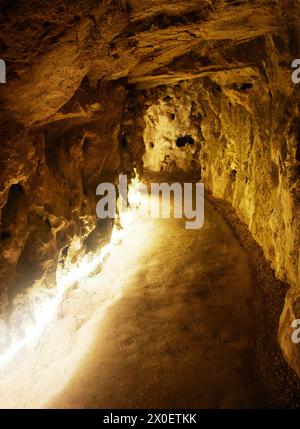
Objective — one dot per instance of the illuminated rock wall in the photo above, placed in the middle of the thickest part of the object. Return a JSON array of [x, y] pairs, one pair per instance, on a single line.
[[48, 189], [247, 130], [64, 127], [172, 141]]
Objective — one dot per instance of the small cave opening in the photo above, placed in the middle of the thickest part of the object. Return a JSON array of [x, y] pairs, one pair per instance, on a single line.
[[184, 140], [5, 235], [87, 143], [244, 86], [124, 141]]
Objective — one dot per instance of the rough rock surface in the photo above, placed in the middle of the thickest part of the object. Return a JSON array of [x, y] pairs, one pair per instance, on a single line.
[[50, 48], [48, 181], [248, 157], [66, 125], [172, 143]]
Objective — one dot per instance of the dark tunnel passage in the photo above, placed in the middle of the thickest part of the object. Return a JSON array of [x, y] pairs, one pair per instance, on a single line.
[[127, 310]]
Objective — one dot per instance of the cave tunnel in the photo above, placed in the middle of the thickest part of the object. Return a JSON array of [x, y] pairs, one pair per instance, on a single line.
[[125, 310]]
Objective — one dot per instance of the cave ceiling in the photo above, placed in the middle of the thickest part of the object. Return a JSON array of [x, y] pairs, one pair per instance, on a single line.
[[50, 47]]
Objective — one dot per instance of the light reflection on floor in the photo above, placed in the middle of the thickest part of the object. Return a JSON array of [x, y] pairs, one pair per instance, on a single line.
[[39, 371]]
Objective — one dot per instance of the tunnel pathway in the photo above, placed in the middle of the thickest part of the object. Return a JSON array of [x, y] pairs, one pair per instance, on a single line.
[[181, 333]]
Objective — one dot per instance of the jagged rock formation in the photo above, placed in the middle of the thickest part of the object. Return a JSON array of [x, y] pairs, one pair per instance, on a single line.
[[48, 198], [81, 75], [172, 140], [248, 157]]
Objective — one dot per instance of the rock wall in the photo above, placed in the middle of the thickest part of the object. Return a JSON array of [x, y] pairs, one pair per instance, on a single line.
[[65, 122], [246, 125], [250, 159], [48, 190], [172, 142], [248, 152]]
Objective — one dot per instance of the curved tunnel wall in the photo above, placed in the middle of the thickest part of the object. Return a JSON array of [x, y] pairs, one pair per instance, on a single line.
[[247, 156], [65, 128]]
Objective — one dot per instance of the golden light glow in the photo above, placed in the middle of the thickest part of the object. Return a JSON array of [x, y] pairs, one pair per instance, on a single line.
[[45, 305]]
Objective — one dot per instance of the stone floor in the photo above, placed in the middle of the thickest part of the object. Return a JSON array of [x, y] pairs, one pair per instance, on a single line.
[[180, 336], [168, 322]]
